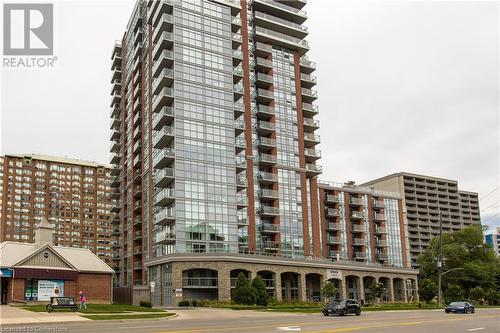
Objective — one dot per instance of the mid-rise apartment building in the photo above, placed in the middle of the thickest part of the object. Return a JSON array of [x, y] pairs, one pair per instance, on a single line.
[[73, 195], [493, 239], [427, 202], [214, 146]]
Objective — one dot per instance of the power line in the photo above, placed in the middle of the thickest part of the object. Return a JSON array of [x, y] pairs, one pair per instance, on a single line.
[[491, 217], [492, 191], [493, 204]]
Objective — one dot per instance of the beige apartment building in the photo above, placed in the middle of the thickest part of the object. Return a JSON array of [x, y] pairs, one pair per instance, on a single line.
[[426, 200]]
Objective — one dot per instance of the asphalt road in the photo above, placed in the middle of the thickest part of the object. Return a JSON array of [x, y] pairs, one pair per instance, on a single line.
[[216, 320]]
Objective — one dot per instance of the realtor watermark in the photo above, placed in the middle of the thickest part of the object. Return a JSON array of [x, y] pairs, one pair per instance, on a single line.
[[28, 35], [48, 329]]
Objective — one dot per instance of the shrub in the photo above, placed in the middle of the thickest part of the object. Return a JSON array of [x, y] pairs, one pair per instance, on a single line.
[[146, 304], [243, 293], [328, 290], [184, 303], [453, 293], [427, 290], [477, 294], [492, 296], [261, 297], [194, 302]]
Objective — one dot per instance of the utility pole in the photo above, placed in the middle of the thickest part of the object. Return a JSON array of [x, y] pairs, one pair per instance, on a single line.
[[440, 258]]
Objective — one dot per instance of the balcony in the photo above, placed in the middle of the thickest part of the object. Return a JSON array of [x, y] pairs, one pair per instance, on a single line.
[[116, 76], [378, 204], [310, 125], [241, 182], [358, 241], [356, 202], [263, 80], [333, 240], [278, 38], [357, 215], [115, 99], [263, 64], [307, 80], [306, 65], [357, 228], [137, 161], [157, 9], [267, 177], [266, 144], [265, 127], [263, 50], [332, 198], [236, 39], [381, 256], [242, 221], [164, 98], [360, 255], [279, 9], [237, 57], [114, 147], [164, 79], [268, 228], [239, 127], [164, 117], [267, 159], [115, 111], [268, 194], [270, 245], [309, 110], [236, 24], [115, 158], [164, 61], [280, 25], [312, 154], [137, 133], [137, 147], [381, 243], [264, 111], [164, 177], [331, 212], [163, 137], [313, 169], [268, 211], [333, 226], [137, 206], [163, 158], [240, 145], [379, 217], [264, 96], [199, 282], [241, 202], [309, 95], [163, 40], [164, 197], [165, 216], [164, 237], [311, 140], [381, 230], [238, 91]]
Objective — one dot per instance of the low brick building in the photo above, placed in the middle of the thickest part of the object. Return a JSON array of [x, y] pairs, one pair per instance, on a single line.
[[33, 272]]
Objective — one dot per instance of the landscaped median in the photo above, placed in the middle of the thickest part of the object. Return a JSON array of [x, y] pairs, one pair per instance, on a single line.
[[111, 311]]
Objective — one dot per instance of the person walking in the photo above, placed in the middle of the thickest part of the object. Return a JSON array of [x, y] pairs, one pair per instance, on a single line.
[[83, 301]]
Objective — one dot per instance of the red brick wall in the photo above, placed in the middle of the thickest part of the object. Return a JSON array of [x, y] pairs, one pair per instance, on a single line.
[[96, 287]]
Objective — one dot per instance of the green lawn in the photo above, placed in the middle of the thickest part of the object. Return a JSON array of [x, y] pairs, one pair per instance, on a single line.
[[98, 308], [130, 316]]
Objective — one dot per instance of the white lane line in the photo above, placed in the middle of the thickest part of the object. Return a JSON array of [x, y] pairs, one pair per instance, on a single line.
[[475, 329], [289, 328]]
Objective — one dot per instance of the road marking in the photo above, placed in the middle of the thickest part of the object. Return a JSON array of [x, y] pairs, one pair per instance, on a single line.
[[475, 329], [289, 328]]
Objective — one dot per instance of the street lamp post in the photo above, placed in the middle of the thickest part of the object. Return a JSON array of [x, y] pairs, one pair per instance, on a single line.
[[440, 275]]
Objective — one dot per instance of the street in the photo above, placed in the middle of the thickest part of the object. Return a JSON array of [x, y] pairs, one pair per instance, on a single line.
[[220, 320]]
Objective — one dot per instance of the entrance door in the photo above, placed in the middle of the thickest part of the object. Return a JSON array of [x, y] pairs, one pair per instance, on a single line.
[[4, 288]]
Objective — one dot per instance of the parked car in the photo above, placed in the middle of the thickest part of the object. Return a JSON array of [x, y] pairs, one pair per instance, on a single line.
[[342, 308], [459, 307]]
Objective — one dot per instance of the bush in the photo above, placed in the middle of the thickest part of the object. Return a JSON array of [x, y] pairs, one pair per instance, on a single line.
[[453, 293], [492, 296], [476, 294], [427, 290], [259, 290], [145, 304], [194, 302], [184, 303], [243, 292]]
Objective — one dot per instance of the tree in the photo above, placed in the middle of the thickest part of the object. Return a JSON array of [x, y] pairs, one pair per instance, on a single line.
[[427, 290], [243, 293], [328, 290], [259, 290], [477, 294], [377, 289], [462, 249], [453, 293], [492, 296]]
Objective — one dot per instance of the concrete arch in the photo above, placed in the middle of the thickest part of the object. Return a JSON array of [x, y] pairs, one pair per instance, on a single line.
[[367, 281], [313, 284], [292, 286], [200, 283]]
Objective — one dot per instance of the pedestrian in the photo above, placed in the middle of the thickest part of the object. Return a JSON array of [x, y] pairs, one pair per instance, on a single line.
[[83, 301]]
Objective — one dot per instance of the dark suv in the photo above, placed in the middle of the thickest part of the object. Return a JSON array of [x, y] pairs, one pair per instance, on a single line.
[[342, 307]]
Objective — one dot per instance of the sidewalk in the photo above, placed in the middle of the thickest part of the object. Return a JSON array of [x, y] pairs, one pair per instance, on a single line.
[[14, 315]]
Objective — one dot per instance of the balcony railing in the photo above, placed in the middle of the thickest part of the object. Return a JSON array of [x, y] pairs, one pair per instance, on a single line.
[[267, 176], [266, 227], [200, 282], [358, 215], [268, 210], [266, 193]]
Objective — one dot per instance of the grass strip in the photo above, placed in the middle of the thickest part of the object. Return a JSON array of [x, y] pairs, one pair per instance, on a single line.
[[130, 316], [97, 308]]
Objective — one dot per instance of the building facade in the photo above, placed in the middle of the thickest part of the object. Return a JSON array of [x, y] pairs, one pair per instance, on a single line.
[[493, 240], [427, 202], [214, 146], [73, 195]]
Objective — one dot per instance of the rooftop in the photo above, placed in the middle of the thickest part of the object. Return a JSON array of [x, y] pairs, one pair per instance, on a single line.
[[57, 159]]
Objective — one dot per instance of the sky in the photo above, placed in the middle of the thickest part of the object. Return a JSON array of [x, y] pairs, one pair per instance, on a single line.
[[403, 86]]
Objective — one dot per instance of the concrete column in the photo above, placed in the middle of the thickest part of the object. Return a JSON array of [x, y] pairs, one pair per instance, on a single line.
[[277, 286], [343, 286], [176, 283], [391, 290], [302, 287], [361, 289], [417, 299], [405, 292], [224, 284]]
